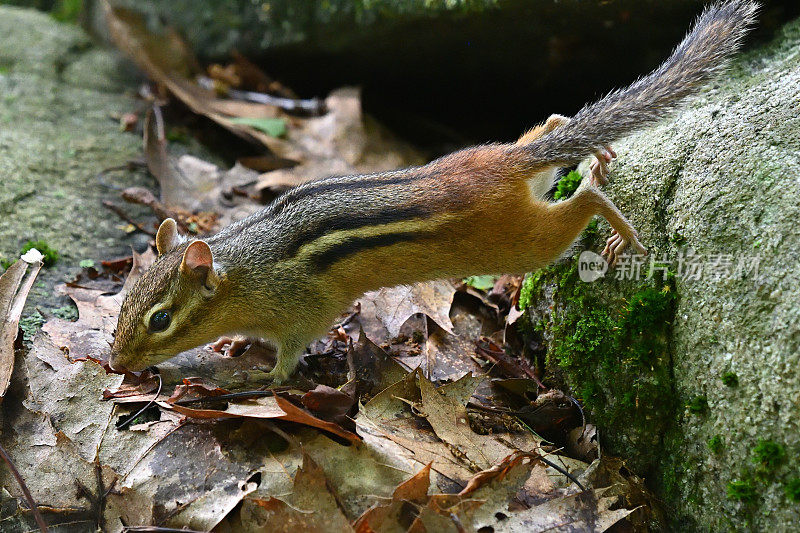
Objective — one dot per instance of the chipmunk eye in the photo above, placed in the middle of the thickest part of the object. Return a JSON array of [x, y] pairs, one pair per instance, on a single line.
[[159, 321]]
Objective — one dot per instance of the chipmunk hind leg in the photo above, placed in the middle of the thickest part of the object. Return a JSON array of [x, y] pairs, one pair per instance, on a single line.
[[540, 183], [565, 220]]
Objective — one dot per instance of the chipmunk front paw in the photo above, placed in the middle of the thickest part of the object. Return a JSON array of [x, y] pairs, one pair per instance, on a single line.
[[232, 346]]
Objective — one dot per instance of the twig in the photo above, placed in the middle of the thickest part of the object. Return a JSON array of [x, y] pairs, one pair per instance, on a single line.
[[313, 106], [124, 216], [122, 423], [562, 471], [31, 503], [157, 529], [583, 416], [244, 395]]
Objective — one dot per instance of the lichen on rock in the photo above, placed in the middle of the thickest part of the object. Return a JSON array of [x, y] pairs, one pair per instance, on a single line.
[[716, 182]]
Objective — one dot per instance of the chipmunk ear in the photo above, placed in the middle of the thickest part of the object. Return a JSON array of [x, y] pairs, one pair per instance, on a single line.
[[167, 237], [198, 263]]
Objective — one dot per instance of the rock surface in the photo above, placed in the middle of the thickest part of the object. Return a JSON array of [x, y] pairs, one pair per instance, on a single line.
[[718, 382], [57, 97]]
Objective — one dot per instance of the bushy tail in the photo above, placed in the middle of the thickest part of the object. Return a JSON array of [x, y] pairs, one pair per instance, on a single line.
[[716, 35]]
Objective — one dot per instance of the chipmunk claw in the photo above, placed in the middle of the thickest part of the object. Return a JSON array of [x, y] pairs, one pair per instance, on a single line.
[[599, 166], [231, 346], [616, 244]]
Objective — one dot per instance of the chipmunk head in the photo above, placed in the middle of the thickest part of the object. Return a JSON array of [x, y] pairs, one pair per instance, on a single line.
[[172, 307]]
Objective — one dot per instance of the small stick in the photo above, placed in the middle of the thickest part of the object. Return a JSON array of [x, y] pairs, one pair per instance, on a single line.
[[124, 216], [562, 471], [122, 423], [31, 503], [313, 106], [244, 395], [156, 529]]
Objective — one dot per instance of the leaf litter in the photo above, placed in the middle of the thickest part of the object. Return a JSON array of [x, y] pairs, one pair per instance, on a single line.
[[417, 412]]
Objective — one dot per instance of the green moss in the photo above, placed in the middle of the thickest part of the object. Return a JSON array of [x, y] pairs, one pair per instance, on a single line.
[[567, 185], [677, 238], [730, 379], [68, 312], [29, 325], [698, 405], [769, 454], [792, 489], [50, 254], [715, 444], [614, 354], [67, 10], [531, 285], [743, 490]]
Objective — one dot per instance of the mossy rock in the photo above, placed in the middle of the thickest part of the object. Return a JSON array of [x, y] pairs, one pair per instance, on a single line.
[[58, 95], [691, 400]]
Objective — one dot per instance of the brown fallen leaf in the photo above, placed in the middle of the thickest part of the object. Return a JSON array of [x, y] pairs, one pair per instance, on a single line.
[[395, 305], [189, 185], [14, 288], [266, 407], [512, 367], [450, 421], [329, 404], [497, 472], [490, 493], [301, 416], [340, 142], [371, 368], [381, 517], [192, 388], [447, 356], [313, 506], [585, 511], [275, 515], [163, 58]]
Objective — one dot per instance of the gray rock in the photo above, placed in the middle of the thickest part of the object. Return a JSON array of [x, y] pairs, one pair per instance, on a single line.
[[720, 179], [57, 97]]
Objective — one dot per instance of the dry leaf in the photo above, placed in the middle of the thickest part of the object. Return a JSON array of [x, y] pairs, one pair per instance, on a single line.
[[313, 506], [371, 367], [393, 306], [341, 142], [381, 517], [13, 293], [161, 58], [329, 404], [189, 184]]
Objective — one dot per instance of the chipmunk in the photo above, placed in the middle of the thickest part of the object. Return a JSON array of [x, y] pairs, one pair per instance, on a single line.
[[287, 271]]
